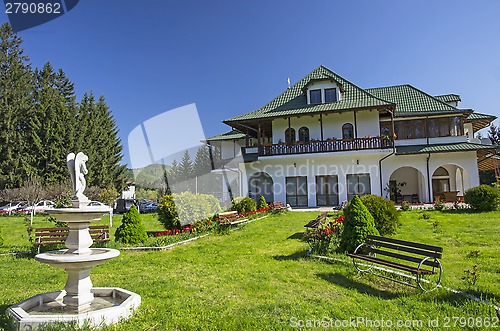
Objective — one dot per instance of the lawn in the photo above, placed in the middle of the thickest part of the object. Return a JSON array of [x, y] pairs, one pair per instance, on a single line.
[[258, 278]]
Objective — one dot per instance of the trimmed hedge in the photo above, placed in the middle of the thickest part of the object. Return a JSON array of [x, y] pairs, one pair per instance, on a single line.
[[358, 223], [244, 205], [384, 212], [482, 198], [131, 231], [178, 210]]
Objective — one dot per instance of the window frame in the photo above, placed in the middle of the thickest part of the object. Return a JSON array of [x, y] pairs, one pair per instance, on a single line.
[[311, 98], [304, 133], [290, 136], [350, 195], [334, 95], [293, 199], [331, 195], [351, 128]]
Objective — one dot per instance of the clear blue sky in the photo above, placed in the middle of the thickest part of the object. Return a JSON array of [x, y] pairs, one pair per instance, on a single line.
[[232, 57]]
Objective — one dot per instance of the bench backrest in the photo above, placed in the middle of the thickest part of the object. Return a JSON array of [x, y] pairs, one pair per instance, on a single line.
[[404, 250], [99, 233]]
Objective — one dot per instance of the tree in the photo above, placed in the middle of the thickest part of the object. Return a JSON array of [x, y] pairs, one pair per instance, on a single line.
[[47, 126], [131, 231], [494, 134], [99, 140], [16, 107], [358, 224]]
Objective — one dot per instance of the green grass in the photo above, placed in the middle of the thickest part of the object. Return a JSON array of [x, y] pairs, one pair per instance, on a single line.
[[257, 278]]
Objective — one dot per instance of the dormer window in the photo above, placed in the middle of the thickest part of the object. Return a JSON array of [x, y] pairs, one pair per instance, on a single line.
[[315, 96], [330, 94]]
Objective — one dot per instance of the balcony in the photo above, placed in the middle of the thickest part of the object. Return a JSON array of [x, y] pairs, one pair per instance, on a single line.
[[326, 146]]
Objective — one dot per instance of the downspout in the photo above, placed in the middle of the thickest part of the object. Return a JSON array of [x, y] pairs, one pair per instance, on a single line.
[[385, 157], [428, 178]]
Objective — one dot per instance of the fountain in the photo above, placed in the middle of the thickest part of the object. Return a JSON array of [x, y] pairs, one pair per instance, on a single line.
[[79, 302]]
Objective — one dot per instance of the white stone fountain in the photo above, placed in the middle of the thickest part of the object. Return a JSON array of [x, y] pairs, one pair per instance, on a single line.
[[79, 302]]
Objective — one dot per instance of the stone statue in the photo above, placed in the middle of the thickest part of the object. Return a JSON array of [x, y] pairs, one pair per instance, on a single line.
[[78, 169]]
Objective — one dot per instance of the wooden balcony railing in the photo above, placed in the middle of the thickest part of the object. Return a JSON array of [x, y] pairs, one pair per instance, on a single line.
[[326, 146]]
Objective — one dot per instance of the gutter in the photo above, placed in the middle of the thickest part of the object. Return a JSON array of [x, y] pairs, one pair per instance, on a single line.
[[429, 183]]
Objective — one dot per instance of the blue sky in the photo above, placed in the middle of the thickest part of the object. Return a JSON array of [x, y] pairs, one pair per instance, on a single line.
[[232, 57]]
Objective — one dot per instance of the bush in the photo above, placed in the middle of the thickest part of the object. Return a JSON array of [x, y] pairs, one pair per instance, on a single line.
[[482, 198], [131, 231], [384, 213], [177, 210], [244, 205], [405, 206], [358, 223], [262, 202], [439, 204]]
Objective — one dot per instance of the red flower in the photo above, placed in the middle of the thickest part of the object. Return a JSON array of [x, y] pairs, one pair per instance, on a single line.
[[340, 219]]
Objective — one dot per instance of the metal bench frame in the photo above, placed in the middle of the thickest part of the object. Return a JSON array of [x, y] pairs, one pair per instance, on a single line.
[[425, 256]]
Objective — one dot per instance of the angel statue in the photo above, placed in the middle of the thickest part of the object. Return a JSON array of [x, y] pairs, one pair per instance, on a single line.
[[78, 169]]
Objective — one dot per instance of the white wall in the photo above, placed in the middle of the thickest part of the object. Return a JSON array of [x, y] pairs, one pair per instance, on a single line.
[[367, 122], [231, 149]]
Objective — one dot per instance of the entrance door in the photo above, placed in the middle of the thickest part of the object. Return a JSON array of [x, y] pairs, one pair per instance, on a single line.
[[327, 191]]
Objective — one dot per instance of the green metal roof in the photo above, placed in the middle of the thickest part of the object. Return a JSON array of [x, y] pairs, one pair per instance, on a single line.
[[442, 148], [231, 135], [448, 97], [411, 101], [294, 101], [479, 117]]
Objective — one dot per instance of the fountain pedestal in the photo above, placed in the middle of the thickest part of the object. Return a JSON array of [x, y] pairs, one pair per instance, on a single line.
[[79, 301]]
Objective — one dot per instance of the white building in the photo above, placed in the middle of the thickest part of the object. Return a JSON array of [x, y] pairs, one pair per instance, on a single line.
[[324, 140]]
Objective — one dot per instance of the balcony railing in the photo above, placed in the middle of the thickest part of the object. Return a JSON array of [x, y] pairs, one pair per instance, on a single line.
[[326, 146]]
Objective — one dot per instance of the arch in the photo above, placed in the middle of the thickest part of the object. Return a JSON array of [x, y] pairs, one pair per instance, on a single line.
[[347, 131], [290, 135], [261, 184], [449, 181], [304, 134], [406, 183]]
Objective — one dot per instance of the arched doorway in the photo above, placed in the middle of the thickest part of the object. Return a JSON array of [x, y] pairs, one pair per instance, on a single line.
[[449, 181], [406, 184], [261, 184]]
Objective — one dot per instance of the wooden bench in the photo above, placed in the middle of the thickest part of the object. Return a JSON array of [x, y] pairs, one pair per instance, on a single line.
[[313, 224], [277, 206], [419, 260], [57, 236]]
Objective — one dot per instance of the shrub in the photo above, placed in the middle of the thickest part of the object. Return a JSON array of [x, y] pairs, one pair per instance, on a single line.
[[177, 210], [131, 231], [358, 223], [245, 205], [384, 213], [482, 198], [262, 202], [439, 204], [405, 206]]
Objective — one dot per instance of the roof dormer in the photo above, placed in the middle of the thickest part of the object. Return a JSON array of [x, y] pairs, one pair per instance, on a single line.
[[320, 91]]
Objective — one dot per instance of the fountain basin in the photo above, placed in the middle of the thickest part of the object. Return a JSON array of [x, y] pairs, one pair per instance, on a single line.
[[110, 305], [63, 259], [85, 214]]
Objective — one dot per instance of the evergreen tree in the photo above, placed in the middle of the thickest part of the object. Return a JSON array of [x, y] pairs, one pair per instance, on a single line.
[[173, 175], [186, 167], [131, 231], [494, 134], [202, 164], [47, 127], [99, 140], [16, 106], [358, 223]]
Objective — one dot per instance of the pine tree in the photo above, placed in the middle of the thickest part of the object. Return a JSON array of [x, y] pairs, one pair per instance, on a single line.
[[186, 167], [358, 223], [16, 106], [99, 140], [47, 128], [202, 164], [494, 134]]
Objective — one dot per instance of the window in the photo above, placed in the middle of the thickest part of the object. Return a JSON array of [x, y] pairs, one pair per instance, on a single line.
[[330, 95], [440, 182], [410, 129], [433, 126], [358, 185], [419, 129], [304, 134], [347, 131], [290, 135], [385, 129], [444, 127], [296, 191], [315, 96], [456, 126], [327, 193]]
